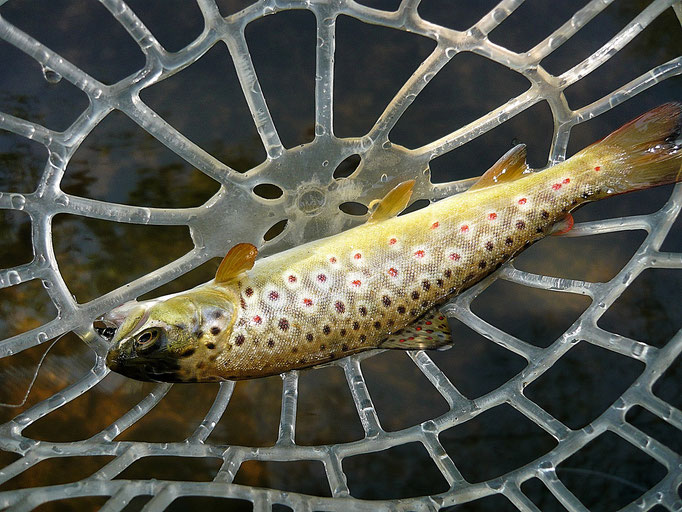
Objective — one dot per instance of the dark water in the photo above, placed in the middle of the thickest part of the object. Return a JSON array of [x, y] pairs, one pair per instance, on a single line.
[[120, 162]]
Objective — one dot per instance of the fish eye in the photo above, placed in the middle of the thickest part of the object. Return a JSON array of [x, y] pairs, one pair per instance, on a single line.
[[146, 340]]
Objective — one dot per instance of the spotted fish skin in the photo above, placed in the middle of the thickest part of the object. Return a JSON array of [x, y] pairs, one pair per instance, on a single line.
[[349, 292]]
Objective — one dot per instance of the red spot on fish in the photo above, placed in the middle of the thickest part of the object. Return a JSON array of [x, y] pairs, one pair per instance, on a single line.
[[357, 256], [419, 253], [598, 168], [257, 320], [566, 180], [332, 260], [292, 279], [464, 228], [321, 278], [492, 216], [556, 186], [356, 282], [273, 295], [418, 329], [523, 200], [392, 272], [308, 302], [428, 322], [435, 225], [454, 256], [392, 241], [402, 341]]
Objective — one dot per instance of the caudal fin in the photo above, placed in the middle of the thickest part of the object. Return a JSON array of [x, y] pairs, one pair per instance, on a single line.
[[644, 153]]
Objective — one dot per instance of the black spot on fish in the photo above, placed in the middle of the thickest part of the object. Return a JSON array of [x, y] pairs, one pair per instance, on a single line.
[[356, 326], [414, 312], [239, 339], [248, 292], [342, 332], [283, 324], [539, 230], [340, 306], [545, 214], [294, 349], [363, 310], [386, 300], [332, 355], [401, 310], [425, 304], [426, 285], [215, 330], [509, 241], [377, 325], [344, 348], [482, 264], [363, 337], [271, 342], [217, 314], [210, 345], [309, 337], [302, 361], [520, 224], [439, 282], [489, 246], [200, 334], [326, 329], [323, 346], [242, 302], [187, 352], [415, 295], [447, 273]]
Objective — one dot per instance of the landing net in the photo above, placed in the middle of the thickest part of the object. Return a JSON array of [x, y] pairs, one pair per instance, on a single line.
[[310, 206]]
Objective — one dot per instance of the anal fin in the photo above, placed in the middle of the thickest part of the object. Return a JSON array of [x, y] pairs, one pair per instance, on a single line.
[[431, 331]]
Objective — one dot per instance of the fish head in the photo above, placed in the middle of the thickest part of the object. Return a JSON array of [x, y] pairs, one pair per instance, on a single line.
[[166, 340]]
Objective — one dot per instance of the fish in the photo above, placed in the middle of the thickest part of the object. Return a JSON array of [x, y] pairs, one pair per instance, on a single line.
[[379, 285]]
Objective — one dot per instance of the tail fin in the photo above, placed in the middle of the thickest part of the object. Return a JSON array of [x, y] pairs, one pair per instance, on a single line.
[[644, 153]]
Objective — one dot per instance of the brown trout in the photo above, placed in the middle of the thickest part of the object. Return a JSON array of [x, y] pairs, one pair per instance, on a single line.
[[379, 285]]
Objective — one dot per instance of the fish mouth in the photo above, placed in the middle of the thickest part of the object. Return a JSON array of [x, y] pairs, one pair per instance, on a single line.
[[143, 369]]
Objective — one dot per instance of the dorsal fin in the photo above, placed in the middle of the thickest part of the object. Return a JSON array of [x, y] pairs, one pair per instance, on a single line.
[[238, 260], [393, 203], [510, 167]]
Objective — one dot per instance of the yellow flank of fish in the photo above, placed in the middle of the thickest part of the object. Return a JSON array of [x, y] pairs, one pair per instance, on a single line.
[[379, 284]]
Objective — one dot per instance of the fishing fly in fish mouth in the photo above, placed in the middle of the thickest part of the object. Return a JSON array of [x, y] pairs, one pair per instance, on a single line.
[[379, 285]]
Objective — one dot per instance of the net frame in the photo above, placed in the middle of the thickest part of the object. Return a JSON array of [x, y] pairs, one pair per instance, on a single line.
[[376, 149]]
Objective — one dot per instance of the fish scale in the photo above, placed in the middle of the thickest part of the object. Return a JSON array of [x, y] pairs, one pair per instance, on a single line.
[[437, 251], [379, 284]]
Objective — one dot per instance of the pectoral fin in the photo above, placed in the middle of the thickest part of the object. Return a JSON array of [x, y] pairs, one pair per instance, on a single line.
[[393, 203], [431, 331], [238, 260]]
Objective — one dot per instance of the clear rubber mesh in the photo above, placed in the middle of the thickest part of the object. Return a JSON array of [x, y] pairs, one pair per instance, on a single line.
[[299, 173]]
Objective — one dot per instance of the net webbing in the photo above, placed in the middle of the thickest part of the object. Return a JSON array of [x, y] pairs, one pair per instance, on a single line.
[[322, 155]]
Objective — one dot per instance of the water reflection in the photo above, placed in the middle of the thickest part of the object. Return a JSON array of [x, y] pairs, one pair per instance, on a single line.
[[121, 163]]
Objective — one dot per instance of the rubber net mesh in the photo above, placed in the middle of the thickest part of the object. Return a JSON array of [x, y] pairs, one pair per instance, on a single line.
[[302, 175]]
